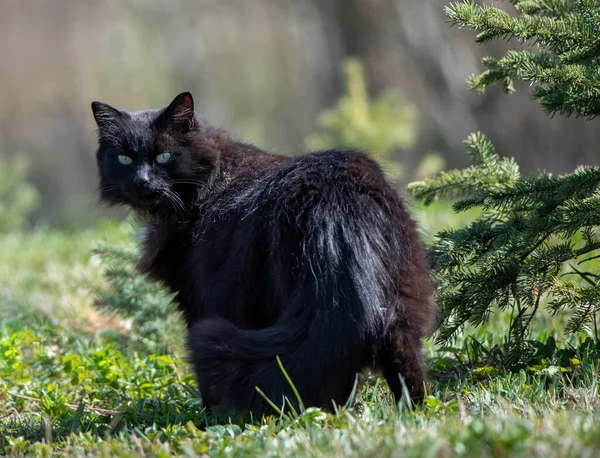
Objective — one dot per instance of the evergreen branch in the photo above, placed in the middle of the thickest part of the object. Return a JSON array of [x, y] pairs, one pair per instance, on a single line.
[[590, 12], [577, 253], [591, 258], [564, 72], [536, 306], [548, 7], [488, 170]]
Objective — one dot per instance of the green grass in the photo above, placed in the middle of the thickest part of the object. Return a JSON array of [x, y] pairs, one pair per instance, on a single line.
[[77, 381]]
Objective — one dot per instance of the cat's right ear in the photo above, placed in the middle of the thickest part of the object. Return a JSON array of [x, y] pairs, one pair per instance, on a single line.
[[179, 113], [106, 116]]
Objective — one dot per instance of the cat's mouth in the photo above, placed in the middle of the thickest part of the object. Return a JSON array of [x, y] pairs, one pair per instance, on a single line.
[[145, 204], [157, 202]]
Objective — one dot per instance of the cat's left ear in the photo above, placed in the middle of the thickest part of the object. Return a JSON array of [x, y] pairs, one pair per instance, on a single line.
[[180, 112]]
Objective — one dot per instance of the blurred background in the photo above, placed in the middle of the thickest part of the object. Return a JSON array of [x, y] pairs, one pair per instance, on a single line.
[[266, 70]]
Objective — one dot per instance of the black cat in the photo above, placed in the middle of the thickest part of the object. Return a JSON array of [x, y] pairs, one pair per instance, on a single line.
[[312, 258]]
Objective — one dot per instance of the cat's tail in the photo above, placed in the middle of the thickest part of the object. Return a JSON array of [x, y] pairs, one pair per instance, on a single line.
[[231, 364], [331, 326], [320, 349]]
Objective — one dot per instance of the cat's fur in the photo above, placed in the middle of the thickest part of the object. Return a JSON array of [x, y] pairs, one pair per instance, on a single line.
[[312, 258]]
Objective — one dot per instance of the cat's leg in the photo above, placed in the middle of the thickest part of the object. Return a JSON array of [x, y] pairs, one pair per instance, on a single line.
[[400, 359]]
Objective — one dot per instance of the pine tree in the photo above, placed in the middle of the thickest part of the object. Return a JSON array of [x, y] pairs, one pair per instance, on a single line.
[[536, 240]]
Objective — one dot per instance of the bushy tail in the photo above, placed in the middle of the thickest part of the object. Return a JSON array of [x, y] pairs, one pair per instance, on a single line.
[[331, 326], [321, 350]]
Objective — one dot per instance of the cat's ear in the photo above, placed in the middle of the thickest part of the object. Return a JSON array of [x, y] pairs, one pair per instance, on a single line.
[[105, 115], [180, 112]]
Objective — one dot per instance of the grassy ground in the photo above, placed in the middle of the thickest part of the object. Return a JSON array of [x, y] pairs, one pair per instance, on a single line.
[[77, 381]]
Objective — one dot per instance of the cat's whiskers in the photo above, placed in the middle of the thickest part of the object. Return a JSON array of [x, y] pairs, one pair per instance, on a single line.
[[111, 189], [173, 198], [187, 181]]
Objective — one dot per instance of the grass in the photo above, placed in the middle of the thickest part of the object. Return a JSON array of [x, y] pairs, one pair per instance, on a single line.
[[78, 381]]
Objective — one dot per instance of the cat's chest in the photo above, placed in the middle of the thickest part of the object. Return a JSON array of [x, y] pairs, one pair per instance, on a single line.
[[164, 248], [218, 265]]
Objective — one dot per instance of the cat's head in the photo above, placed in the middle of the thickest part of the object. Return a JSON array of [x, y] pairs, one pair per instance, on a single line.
[[154, 160]]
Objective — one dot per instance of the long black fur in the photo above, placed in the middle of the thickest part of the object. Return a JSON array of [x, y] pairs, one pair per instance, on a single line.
[[313, 259]]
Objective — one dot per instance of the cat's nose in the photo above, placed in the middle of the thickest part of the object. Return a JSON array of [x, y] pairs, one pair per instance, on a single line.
[[141, 179]]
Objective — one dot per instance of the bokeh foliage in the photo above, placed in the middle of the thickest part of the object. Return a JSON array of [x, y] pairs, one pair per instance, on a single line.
[[381, 127], [17, 196]]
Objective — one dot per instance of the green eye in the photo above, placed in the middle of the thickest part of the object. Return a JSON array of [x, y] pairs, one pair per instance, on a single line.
[[163, 157], [125, 160]]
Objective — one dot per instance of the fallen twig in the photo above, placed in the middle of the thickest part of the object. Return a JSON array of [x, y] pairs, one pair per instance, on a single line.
[[73, 407]]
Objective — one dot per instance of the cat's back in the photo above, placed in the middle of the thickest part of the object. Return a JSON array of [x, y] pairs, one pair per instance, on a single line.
[[343, 181], [276, 182], [330, 210], [317, 176], [326, 168]]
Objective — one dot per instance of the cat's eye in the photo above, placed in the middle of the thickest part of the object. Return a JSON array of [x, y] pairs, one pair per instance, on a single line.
[[125, 160], [163, 157]]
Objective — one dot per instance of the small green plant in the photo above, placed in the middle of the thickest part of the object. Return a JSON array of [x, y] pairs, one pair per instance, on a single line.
[[380, 127], [17, 196]]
